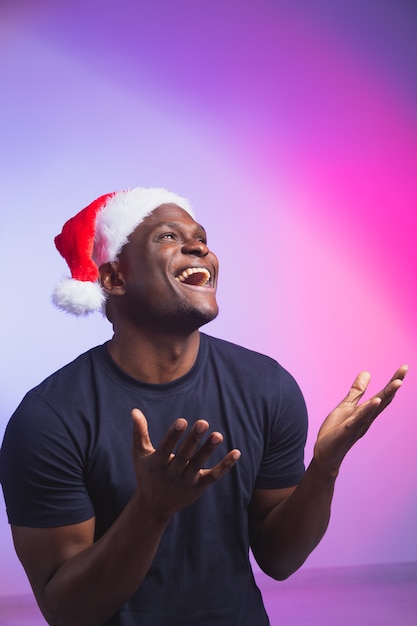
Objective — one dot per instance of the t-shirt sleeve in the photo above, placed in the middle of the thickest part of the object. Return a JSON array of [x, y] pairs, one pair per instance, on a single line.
[[283, 460], [41, 469]]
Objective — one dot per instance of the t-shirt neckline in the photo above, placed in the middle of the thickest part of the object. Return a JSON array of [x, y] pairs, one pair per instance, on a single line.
[[125, 379]]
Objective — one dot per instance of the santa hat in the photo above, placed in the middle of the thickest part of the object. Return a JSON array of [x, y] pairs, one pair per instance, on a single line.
[[95, 236]]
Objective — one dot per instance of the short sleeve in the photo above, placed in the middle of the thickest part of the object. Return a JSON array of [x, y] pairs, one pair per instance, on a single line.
[[283, 460], [41, 469]]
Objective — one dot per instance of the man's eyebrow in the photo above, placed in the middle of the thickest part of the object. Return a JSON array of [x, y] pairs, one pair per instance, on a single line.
[[169, 224], [176, 225]]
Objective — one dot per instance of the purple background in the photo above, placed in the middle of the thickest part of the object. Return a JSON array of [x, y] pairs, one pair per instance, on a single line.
[[292, 128]]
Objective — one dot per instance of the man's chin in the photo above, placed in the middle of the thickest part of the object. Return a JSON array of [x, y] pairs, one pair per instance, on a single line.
[[181, 321], [191, 319], [194, 319], [209, 318]]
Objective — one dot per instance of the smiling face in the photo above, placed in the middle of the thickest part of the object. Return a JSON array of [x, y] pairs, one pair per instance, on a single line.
[[169, 273]]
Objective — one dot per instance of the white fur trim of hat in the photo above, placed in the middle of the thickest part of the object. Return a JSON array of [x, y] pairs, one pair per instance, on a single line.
[[95, 236]]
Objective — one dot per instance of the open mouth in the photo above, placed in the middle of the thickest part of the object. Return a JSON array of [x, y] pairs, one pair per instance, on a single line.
[[196, 276]]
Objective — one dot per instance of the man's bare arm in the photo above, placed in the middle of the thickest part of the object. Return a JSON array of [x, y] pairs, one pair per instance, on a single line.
[[287, 526]]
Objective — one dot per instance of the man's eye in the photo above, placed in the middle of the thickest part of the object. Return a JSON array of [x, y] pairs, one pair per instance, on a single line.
[[167, 236]]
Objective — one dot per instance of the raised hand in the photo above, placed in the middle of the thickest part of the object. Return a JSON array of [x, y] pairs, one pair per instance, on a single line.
[[349, 421], [168, 482]]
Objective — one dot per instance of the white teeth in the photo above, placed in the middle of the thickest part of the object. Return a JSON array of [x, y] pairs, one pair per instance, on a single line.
[[194, 270]]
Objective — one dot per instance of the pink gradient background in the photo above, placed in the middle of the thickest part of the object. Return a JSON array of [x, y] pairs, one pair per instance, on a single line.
[[292, 128]]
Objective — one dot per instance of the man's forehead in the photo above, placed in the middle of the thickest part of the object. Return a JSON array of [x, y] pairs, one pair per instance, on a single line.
[[163, 211], [165, 216], [170, 215]]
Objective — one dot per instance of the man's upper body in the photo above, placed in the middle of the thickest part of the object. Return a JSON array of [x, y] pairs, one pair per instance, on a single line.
[[217, 448], [71, 466]]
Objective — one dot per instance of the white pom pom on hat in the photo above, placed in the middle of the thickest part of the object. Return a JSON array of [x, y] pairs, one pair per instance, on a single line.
[[95, 236]]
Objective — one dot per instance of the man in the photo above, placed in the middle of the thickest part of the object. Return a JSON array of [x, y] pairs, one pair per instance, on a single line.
[[218, 439]]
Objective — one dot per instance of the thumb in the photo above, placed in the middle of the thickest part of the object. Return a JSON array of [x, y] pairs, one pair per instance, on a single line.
[[357, 389], [141, 440]]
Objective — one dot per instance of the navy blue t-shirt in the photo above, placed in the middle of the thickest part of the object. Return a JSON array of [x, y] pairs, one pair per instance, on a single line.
[[66, 458]]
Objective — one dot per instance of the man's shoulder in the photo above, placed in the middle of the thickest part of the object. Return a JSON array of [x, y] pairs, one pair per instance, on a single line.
[[228, 347], [237, 367], [74, 372], [60, 394], [241, 356]]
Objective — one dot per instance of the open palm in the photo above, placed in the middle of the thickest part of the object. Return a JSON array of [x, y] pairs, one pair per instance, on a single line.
[[349, 421]]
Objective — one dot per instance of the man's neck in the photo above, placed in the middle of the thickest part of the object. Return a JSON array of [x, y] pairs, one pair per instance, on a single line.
[[155, 358]]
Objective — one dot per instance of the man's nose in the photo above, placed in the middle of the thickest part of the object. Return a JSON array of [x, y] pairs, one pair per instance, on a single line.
[[195, 246]]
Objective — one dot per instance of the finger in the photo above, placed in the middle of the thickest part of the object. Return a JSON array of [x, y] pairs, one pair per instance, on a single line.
[[187, 449], [388, 392], [141, 440], [372, 408], [400, 373], [202, 455], [358, 388], [208, 476], [363, 416], [171, 439]]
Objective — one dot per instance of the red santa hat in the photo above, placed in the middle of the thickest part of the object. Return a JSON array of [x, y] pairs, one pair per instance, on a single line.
[[95, 236]]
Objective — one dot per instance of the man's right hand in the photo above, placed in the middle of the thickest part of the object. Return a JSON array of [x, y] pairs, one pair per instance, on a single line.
[[168, 481]]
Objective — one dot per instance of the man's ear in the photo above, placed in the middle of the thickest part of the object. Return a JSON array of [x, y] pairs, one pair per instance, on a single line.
[[111, 279]]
